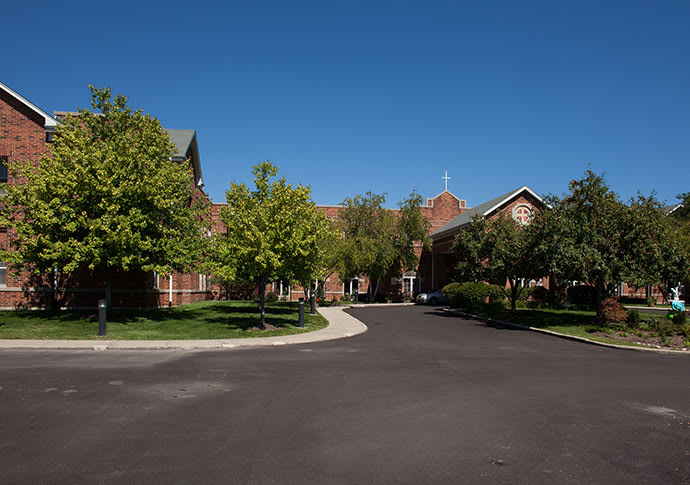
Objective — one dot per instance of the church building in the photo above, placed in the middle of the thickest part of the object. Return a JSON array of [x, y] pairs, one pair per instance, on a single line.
[[27, 133]]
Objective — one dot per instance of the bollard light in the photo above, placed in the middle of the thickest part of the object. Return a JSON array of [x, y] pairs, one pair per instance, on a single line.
[[101, 318], [312, 304], [301, 313]]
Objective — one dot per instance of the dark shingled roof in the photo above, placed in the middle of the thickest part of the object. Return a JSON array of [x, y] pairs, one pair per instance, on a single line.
[[481, 210], [182, 139]]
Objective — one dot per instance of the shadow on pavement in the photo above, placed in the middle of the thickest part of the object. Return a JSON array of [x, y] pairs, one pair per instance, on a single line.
[[476, 321]]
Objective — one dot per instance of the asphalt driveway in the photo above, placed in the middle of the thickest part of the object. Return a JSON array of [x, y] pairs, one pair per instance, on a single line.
[[421, 397]]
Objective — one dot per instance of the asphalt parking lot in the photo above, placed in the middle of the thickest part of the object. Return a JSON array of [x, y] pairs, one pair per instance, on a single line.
[[421, 397]]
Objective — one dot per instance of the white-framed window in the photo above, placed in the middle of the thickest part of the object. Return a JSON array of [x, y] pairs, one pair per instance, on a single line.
[[156, 280], [3, 273]]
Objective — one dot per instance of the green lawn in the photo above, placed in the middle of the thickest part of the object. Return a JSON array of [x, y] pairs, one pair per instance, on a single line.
[[578, 323], [202, 320]]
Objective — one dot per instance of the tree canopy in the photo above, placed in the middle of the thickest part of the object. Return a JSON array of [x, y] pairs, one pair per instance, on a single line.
[[496, 250], [109, 197], [377, 242], [273, 232], [589, 235]]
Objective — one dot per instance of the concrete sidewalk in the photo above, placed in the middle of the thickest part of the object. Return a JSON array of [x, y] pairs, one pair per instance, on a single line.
[[340, 325]]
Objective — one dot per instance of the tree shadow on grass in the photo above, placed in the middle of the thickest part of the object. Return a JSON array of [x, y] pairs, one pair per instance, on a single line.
[[233, 315], [248, 323]]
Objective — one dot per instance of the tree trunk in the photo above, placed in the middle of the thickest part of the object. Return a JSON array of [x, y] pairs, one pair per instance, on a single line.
[[262, 302], [108, 290], [513, 294], [55, 302], [664, 291], [376, 289], [598, 295]]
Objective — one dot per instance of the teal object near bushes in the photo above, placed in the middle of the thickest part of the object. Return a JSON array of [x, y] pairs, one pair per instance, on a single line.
[[678, 306]]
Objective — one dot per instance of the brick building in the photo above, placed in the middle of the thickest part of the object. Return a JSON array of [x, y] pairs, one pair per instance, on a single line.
[[438, 210], [26, 133], [520, 204]]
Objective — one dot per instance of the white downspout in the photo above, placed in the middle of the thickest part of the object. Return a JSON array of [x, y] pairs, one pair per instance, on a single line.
[[170, 295]]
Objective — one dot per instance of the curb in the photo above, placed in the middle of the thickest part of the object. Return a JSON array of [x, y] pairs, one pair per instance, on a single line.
[[340, 325], [566, 336]]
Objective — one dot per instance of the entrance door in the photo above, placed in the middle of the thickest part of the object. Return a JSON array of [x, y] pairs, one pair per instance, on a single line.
[[410, 286]]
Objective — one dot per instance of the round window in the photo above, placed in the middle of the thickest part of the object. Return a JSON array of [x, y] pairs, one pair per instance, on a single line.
[[522, 214]]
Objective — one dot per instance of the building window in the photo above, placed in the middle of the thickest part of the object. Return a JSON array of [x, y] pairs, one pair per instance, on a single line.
[[3, 170], [3, 273], [352, 287], [522, 214]]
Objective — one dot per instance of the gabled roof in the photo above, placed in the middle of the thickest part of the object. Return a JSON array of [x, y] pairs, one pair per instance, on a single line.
[[50, 123], [670, 209], [482, 210], [183, 141], [444, 192]]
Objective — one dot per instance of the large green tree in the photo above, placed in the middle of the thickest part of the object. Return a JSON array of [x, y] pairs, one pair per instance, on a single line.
[[273, 231], [412, 232], [378, 243], [496, 250], [108, 198], [312, 257], [590, 235]]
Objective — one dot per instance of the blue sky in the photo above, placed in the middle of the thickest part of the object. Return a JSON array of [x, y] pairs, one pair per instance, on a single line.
[[384, 96]]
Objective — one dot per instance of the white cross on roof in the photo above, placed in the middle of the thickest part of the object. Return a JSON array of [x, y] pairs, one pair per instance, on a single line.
[[446, 178]]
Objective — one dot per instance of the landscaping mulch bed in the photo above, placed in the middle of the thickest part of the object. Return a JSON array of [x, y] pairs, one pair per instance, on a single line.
[[649, 338], [583, 323]]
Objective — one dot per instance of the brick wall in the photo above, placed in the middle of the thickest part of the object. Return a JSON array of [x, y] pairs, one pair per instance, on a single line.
[[444, 261], [438, 210], [23, 138]]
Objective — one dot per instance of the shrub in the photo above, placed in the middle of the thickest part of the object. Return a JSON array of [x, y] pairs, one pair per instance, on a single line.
[[611, 311], [539, 294], [496, 294], [633, 320], [451, 291], [678, 318], [663, 328], [651, 301], [269, 297], [473, 295], [685, 330], [495, 307], [525, 294]]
